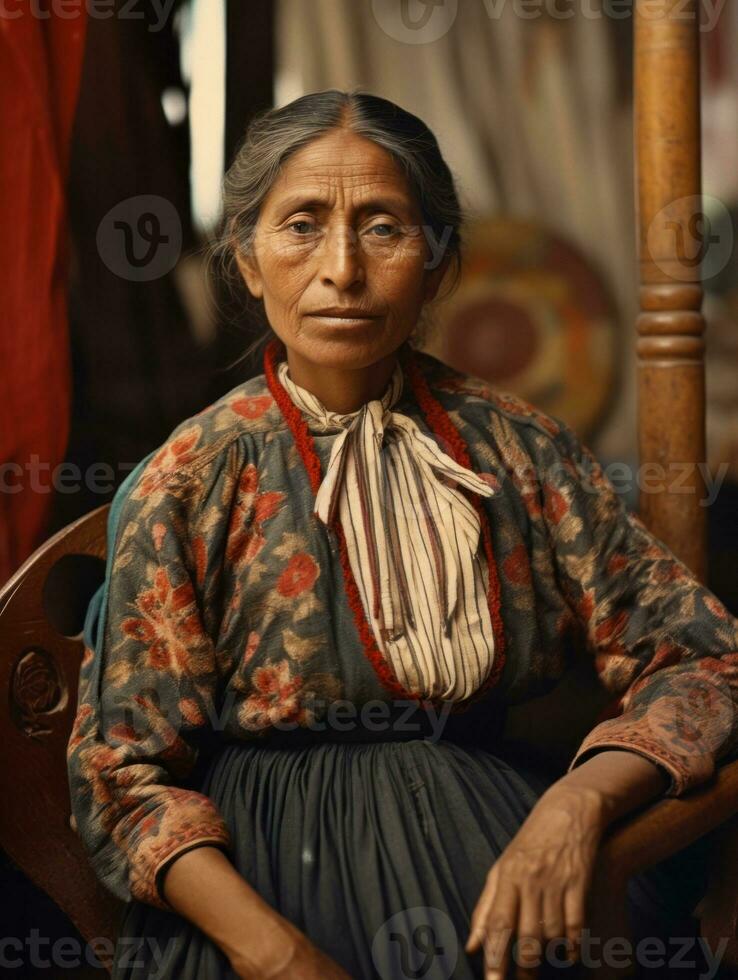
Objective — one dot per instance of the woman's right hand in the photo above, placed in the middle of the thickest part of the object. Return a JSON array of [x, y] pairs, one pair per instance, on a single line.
[[286, 954]]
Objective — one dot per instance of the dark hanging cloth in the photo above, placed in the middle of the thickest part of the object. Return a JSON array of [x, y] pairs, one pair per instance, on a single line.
[[40, 63]]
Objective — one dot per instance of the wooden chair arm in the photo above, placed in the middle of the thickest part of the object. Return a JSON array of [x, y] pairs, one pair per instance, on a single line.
[[655, 833], [662, 829]]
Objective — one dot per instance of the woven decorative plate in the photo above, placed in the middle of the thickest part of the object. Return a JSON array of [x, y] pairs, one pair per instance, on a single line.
[[531, 316]]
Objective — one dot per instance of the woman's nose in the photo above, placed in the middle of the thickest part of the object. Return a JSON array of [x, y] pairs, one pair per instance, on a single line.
[[341, 259]]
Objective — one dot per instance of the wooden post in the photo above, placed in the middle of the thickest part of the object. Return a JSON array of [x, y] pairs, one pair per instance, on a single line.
[[671, 374]]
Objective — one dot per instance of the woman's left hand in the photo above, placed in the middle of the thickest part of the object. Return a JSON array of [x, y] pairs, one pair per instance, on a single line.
[[537, 889]]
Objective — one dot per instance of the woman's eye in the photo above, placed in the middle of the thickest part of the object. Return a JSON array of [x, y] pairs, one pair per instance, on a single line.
[[301, 227], [385, 230]]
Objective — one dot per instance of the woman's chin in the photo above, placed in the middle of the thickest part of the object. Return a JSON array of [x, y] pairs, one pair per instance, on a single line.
[[346, 346]]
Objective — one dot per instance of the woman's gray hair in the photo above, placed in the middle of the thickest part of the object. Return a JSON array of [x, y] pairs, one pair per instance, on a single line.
[[275, 134]]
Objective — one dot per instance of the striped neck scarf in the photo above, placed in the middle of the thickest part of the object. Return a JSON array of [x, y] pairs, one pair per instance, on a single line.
[[357, 486]]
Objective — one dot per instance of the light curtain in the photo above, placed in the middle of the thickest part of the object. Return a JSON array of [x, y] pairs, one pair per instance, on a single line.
[[533, 117]]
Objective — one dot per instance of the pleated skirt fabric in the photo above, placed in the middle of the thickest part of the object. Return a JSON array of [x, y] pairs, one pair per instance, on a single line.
[[377, 851]]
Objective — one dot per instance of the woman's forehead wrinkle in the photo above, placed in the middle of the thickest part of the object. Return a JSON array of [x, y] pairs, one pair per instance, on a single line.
[[332, 182], [331, 173], [358, 191], [374, 163], [342, 176]]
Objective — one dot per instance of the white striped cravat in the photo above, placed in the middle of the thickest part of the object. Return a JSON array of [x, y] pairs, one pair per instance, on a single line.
[[412, 540]]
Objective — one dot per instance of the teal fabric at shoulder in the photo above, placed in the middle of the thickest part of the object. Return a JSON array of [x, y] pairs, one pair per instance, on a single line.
[[94, 624]]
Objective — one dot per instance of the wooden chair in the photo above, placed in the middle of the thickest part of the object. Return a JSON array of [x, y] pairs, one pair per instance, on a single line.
[[40, 664], [41, 614]]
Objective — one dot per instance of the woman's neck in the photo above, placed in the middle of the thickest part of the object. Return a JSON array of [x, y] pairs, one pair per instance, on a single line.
[[342, 390]]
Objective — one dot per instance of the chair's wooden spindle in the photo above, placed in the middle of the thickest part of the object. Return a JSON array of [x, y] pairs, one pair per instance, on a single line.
[[671, 374]]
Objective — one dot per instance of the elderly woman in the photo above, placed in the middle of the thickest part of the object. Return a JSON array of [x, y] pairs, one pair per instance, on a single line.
[[325, 588]]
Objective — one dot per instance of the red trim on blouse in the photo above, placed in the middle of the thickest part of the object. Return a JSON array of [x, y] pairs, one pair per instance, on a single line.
[[440, 423]]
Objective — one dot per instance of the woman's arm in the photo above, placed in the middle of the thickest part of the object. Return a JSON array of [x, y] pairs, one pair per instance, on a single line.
[[203, 886], [148, 710], [619, 782], [147, 702], [663, 645]]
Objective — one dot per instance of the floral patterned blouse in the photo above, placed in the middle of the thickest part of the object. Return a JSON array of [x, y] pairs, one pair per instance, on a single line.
[[231, 611]]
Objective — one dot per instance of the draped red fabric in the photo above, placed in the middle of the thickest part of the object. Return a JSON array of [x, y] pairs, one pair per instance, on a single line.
[[41, 48]]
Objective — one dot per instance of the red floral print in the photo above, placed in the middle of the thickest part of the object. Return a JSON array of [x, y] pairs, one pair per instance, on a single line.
[[299, 575], [252, 408], [168, 623], [274, 698], [172, 457]]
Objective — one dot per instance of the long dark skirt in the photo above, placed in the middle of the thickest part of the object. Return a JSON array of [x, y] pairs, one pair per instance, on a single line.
[[378, 852]]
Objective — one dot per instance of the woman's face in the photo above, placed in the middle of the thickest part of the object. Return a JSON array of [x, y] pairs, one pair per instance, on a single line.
[[340, 257]]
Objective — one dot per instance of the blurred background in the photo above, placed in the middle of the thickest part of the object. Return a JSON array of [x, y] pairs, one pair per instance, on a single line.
[[125, 114]]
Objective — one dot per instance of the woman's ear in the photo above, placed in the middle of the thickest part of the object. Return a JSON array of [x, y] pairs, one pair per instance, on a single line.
[[249, 269]]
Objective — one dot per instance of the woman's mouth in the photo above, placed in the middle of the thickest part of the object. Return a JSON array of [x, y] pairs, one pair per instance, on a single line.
[[345, 319]]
